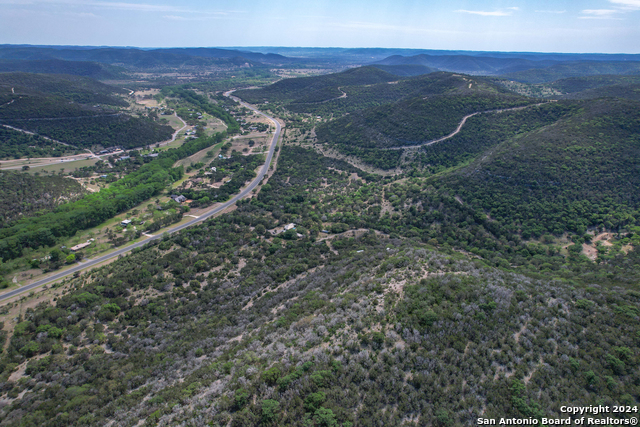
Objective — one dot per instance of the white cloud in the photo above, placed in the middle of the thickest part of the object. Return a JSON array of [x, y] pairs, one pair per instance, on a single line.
[[140, 7], [627, 4], [504, 12], [81, 14], [375, 26], [188, 18], [551, 11], [600, 14]]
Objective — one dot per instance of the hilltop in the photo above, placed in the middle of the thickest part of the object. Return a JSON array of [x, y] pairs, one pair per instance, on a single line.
[[315, 89]]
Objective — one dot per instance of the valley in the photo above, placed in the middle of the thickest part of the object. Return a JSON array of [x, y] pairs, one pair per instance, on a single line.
[[414, 239]]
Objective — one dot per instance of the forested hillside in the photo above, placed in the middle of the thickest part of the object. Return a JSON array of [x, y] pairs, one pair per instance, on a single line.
[[58, 66], [366, 325], [14, 145], [315, 89], [75, 110], [82, 90], [574, 69], [98, 130], [411, 121], [577, 173], [24, 194]]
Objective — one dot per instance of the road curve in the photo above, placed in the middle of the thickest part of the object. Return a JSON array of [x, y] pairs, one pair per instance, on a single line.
[[95, 261], [462, 122]]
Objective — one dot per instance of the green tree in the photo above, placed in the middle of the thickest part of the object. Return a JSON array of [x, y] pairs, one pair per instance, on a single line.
[[270, 409], [325, 417]]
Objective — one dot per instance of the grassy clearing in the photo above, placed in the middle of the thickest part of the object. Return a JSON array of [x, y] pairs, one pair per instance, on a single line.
[[67, 166], [214, 125], [200, 156], [173, 121]]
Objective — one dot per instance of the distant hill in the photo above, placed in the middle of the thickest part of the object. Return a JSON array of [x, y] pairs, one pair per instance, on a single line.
[[601, 86], [317, 88], [408, 70], [475, 65], [143, 59], [625, 91], [79, 89], [209, 52], [356, 89], [58, 66], [574, 69]]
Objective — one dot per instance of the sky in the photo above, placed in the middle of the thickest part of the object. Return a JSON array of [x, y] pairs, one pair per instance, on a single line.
[[606, 26]]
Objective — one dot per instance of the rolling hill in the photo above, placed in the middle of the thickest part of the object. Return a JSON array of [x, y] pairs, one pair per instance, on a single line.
[[574, 69], [93, 70], [143, 59], [79, 89], [577, 173], [315, 89], [75, 110], [475, 65]]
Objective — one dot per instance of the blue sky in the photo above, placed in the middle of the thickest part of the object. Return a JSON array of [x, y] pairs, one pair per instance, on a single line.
[[610, 26]]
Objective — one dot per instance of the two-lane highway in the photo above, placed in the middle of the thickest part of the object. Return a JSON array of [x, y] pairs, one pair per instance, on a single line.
[[95, 261]]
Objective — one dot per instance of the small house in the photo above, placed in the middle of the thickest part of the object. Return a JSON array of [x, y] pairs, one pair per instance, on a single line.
[[125, 222], [179, 198]]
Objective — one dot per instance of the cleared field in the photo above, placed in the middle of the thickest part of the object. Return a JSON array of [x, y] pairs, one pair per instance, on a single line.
[[242, 144], [173, 121], [200, 156], [67, 166], [214, 125], [145, 97]]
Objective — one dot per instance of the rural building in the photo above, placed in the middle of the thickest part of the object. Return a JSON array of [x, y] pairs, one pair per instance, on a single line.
[[125, 222], [80, 246]]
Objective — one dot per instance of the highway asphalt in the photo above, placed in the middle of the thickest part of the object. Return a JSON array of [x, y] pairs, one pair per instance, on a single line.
[[95, 261]]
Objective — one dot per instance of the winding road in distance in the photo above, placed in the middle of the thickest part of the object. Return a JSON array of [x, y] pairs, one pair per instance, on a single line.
[[462, 122], [95, 261]]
